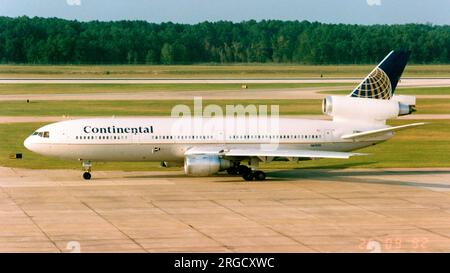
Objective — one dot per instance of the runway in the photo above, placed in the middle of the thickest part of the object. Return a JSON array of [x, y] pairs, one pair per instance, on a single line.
[[405, 81], [245, 94], [300, 93], [394, 210]]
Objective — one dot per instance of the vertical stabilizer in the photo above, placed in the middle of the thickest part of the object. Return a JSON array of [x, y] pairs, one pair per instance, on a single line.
[[382, 81]]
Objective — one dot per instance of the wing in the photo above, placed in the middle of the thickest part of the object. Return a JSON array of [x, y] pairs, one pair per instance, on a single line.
[[265, 154], [373, 133], [288, 153]]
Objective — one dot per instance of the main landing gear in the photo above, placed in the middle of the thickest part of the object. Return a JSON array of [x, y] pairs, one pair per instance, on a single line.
[[87, 167], [247, 173], [256, 175]]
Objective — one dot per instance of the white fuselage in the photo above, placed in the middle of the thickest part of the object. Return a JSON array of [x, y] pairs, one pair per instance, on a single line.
[[167, 139]]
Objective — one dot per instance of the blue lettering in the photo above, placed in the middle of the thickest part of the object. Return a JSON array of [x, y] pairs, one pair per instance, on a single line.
[[120, 130]]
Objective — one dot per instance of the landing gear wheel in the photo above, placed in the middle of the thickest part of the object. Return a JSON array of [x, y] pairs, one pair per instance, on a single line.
[[243, 169], [87, 175], [87, 167], [259, 175], [248, 176], [232, 171]]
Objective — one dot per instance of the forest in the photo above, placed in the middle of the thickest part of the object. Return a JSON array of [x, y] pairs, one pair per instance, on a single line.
[[25, 40]]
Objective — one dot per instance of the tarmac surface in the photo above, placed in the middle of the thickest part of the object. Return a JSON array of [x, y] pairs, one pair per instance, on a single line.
[[244, 94], [300, 93], [357, 210], [404, 81]]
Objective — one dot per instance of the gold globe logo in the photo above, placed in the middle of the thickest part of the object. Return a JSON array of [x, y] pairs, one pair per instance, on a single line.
[[377, 86]]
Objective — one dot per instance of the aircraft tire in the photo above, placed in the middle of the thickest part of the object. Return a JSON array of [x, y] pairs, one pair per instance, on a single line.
[[87, 176], [259, 175], [248, 176]]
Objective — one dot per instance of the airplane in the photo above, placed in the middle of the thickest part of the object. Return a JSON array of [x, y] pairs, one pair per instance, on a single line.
[[358, 121]]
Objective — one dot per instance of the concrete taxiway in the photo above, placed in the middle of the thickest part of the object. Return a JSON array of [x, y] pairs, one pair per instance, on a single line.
[[404, 81], [246, 94], [299, 93], [388, 210]]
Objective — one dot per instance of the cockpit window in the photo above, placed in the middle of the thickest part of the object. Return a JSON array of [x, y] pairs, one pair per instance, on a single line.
[[45, 134]]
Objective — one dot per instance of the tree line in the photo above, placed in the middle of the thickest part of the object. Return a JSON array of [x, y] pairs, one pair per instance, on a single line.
[[58, 41]]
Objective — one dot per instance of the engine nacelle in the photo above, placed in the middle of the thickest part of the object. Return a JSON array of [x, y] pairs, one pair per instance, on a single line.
[[407, 102], [342, 107], [204, 165]]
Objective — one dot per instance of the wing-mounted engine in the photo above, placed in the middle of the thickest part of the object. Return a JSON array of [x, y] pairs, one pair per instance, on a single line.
[[366, 109], [204, 164]]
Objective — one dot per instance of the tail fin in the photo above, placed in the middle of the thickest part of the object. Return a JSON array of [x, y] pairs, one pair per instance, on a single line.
[[382, 81]]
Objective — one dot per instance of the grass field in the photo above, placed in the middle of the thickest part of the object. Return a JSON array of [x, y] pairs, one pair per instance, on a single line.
[[14, 89], [208, 71], [404, 91], [138, 108], [425, 146], [163, 108]]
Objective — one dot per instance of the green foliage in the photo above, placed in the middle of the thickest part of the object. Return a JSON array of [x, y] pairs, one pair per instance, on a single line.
[[142, 107], [164, 107], [57, 41], [87, 88]]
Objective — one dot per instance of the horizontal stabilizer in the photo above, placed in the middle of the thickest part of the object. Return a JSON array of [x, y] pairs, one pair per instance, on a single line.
[[373, 133]]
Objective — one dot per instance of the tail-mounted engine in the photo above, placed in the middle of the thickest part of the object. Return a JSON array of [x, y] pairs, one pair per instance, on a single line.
[[343, 107]]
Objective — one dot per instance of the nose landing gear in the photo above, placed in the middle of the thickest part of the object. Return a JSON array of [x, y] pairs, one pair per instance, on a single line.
[[87, 175], [87, 167]]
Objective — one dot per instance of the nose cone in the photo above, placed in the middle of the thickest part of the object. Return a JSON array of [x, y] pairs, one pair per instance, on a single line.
[[28, 143]]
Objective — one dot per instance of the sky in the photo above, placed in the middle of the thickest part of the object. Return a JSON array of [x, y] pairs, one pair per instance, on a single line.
[[193, 11]]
